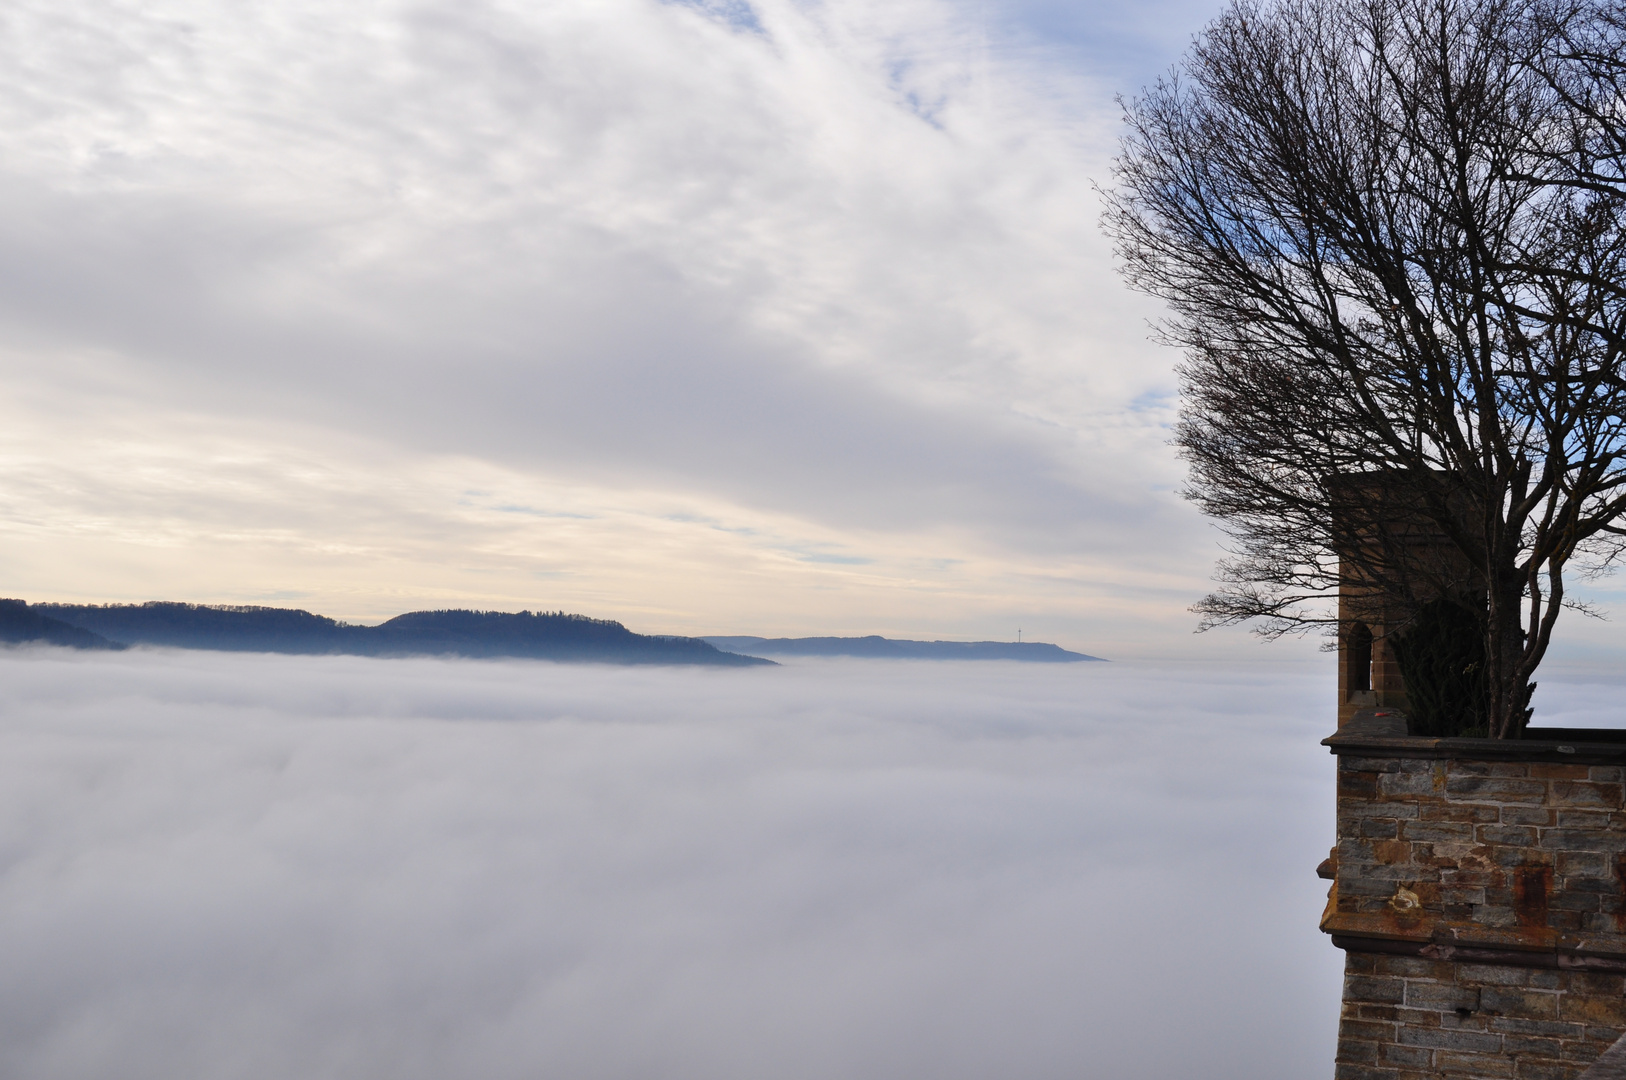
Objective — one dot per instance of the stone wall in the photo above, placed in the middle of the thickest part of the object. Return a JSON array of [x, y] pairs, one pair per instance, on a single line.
[[1479, 890]]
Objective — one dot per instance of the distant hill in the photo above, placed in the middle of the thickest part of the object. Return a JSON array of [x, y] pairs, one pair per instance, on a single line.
[[20, 624], [539, 635], [874, 645]]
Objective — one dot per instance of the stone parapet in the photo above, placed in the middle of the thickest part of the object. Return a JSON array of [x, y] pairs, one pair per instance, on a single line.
[[1479, 890]]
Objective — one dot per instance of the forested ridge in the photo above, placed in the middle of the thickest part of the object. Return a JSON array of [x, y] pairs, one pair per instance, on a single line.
[[553, 635]]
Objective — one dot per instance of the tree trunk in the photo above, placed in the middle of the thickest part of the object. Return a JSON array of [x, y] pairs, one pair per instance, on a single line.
[[1507, 684]]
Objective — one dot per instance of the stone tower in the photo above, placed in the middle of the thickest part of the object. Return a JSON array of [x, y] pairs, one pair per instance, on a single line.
[[1478, 885]]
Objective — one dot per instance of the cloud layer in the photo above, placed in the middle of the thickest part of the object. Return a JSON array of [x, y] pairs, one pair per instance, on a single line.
[[826, 276], [261, 867]]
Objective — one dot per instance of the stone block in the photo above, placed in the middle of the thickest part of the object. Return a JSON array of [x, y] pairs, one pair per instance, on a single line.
[[1583, 819], [1367, 1030], [1604, 983], [1519, 835], [1550, 770], [1442, 1039], [1593, 1009], [1475, 812], [1357, 808], [1528, 815], [1411, 783], [1413, 967], [1584, 793], [1377, 989], [1517, 1001], [1584, 864], [1529, 1046], [1552, 1029], [1446, 997], [1499, 790], [1353, 1071], [1610, 841], [1493, 974], [1448, 1063], [1439, 831], [1411, 1057]]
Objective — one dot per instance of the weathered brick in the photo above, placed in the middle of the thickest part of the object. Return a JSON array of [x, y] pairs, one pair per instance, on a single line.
[[1593, 1009], [1584, 793], [1390, 852], [1544, 1070], [1601, 1038], [1442, 1039], [1511, 1001], [1565, 921], [1595, 982], [1427, 994], [1582, 819], [1460, 831], [1528, 815], [1515, 1025], [1610, 840], [1356, 808], [1370, 1030], [1523, 835], [1413, 967], [1549, 770], [1352, 1071], [1358, 1051], [1475, 812], [1492, 974], [1375, 989], [1402, 782], [1530, 1046], [1449, 1063], [1414, 1057], [1501, 790]]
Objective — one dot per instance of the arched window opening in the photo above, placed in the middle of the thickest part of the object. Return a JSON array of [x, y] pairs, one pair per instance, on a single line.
[[1358, 655]]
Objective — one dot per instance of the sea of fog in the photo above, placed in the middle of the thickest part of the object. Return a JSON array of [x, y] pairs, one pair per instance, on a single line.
[[243, 867]]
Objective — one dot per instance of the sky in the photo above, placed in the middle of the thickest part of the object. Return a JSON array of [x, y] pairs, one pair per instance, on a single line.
[[774, 317], [714, 317]]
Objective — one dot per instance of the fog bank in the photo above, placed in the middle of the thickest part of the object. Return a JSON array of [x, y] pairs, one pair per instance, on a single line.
[[265, 867]]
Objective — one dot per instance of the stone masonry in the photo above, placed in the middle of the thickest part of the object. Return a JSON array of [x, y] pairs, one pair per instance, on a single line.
[[1479, 891]]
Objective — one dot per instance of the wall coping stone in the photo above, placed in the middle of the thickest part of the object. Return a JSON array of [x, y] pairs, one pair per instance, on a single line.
[[1381, 733]]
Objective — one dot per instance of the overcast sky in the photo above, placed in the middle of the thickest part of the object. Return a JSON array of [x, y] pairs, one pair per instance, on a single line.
[[715, 317]]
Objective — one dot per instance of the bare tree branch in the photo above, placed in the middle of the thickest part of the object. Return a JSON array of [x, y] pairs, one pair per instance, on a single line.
[[1392, 237]]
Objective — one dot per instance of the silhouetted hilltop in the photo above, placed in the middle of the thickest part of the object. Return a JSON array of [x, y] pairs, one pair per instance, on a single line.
[[877, 646], [553, 635], [542, 635], [231, 628], [19, 623]]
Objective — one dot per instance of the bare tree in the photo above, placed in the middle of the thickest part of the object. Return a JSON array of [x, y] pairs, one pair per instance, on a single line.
[[1394, 249]]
